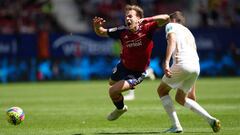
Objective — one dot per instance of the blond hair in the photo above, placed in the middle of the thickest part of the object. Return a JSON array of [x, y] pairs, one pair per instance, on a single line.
[[138, 9]]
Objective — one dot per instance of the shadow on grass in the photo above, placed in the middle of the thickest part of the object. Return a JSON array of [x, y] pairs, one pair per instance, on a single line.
[[141, 133], [203, 132], [127, 133]]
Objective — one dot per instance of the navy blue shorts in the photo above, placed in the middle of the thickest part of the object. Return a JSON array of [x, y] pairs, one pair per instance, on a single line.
[[132, 77]]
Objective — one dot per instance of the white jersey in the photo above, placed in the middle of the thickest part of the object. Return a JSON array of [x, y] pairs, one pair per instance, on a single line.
[[185, 51], [185, 68]]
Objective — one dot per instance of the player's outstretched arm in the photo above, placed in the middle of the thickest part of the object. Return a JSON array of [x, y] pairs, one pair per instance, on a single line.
[[171, 45], [162, 19], [98, 26]]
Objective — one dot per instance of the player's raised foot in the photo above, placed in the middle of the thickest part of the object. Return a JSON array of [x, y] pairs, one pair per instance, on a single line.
[[117, 113], [129, 97], [150, 74], [216, 125], [174, 129]]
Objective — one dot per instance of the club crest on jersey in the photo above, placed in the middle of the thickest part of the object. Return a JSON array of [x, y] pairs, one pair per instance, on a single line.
[[169, 28]]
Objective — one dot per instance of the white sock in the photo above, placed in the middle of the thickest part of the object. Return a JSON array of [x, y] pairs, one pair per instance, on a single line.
[[195, 107], [169, 108], [131, 92]]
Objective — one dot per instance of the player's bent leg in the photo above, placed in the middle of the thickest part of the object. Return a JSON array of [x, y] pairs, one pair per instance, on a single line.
[[195, 107], [118, 88], [117, 98], [132, 83], [130, 95], [163, 89], [167, 103], [180, 97], [192, 93]]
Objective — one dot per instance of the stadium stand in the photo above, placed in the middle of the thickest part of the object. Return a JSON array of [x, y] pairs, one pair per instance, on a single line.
[[54, 40]]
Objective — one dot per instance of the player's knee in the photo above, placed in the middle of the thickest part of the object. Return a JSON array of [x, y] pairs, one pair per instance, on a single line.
[[180, 99], [180, 96], [162, 91], [111, 91], [111, 82], [193, 97]]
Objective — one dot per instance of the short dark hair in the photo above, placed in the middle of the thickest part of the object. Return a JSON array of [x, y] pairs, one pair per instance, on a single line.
[[178, 16], [138, 9]]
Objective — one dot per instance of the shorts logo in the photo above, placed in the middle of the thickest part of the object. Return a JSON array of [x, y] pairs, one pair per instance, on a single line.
[[114, 70]]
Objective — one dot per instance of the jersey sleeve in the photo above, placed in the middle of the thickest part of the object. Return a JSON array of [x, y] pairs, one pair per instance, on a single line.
[[169, 29], [115, 32], [152, 26]]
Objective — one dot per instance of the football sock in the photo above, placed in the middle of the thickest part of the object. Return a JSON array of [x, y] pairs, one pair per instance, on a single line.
[[168, 106], [131, 92], [119, 104], [195, 107]]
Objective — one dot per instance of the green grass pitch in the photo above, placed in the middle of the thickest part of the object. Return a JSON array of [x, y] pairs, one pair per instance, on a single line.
[[80, 108]]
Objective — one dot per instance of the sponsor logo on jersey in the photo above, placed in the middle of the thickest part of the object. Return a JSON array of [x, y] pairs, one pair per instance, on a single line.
[[134, 43]]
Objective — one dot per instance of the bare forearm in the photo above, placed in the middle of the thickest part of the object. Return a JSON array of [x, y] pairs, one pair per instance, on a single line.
[[161, 19], [168, 57], [100, 31], [170, 48]]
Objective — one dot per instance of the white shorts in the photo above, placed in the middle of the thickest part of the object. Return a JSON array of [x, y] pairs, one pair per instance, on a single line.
[[183, 76]]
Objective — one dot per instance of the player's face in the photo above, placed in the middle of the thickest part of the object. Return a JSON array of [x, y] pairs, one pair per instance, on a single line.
[[131, 19], [173, 20]]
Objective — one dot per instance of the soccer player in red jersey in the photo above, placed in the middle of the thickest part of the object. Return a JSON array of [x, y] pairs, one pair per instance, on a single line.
[[136, 43]]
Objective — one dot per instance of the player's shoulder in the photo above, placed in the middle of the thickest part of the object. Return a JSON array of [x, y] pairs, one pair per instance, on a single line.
[[119, 28], [147, 25], [172, 27]]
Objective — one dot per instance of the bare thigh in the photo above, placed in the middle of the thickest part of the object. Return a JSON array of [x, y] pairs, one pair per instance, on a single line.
[[163, 89], [119, 87]]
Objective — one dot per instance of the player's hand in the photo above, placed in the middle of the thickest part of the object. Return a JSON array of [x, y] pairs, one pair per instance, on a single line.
[[98, 21], [168, 72]]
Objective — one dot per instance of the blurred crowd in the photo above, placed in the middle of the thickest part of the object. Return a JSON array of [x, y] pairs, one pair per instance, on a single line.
[[44, 17], [26, 16], [31, 16]]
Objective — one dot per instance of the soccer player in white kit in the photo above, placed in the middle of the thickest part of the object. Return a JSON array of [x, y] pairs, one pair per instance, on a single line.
[[182, 74]]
